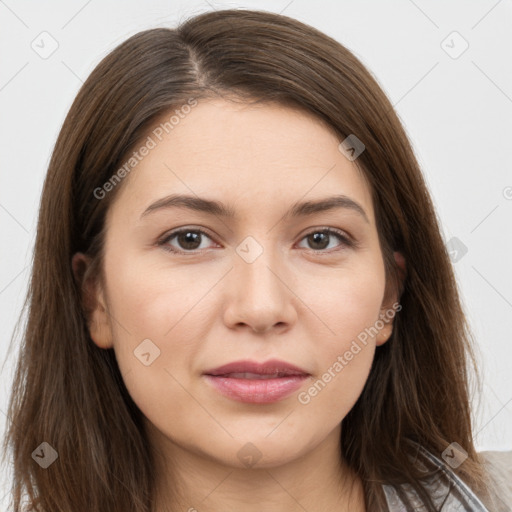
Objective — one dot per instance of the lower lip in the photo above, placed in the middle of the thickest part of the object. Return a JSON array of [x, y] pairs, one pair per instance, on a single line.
[[257, 391]]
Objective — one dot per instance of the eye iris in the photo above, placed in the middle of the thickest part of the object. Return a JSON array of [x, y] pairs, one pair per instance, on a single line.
[[317, 237], [189, 237]]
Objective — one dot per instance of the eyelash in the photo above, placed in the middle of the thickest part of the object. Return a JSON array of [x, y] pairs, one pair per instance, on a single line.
[[346, 241]]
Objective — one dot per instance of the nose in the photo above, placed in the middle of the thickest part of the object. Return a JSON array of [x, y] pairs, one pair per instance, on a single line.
[[259, 297]]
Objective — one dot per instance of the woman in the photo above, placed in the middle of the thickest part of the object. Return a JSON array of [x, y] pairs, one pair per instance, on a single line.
[[240, 295]]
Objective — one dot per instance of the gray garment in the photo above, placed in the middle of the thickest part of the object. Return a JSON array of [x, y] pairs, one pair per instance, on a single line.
[[451, 494]]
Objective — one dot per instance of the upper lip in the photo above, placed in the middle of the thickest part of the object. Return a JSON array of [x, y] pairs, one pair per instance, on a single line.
[[266, 368]]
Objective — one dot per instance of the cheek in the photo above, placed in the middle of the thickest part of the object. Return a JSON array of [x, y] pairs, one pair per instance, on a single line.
[[346, 301], [159, 318], [152, 300], [349, 309]]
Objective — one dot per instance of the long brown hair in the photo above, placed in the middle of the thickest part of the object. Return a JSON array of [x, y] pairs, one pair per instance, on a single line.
[[69, 393]]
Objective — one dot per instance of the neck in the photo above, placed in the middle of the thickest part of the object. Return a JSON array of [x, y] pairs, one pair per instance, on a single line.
[[315, 481]]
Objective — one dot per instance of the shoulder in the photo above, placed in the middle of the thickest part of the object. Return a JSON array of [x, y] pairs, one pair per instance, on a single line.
[[498, 466], [449, 492]]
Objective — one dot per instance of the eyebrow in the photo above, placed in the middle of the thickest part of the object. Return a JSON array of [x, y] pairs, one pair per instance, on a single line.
[[212, 207]]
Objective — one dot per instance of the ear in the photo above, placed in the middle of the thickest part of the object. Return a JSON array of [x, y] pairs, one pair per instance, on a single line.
[[391, 301], [93, 301]]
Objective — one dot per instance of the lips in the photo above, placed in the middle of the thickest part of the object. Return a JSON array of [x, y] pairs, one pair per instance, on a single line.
[[248, 375], [253, 382], [273, 367]]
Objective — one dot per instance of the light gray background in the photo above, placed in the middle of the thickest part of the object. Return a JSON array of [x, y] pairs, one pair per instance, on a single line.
[[457, 113]]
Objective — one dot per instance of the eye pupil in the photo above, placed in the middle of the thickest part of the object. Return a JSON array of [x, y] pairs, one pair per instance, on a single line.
[[189, 237], [317, 237]]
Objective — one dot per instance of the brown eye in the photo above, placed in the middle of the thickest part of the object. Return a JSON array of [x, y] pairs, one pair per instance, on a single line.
[[320, 240], [186, 240]]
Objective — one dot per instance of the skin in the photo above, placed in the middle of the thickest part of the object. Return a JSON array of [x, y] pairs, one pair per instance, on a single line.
[[299, 301]]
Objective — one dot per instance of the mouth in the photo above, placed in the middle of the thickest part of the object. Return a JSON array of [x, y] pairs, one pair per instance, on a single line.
[[252, 382], [257, 376]]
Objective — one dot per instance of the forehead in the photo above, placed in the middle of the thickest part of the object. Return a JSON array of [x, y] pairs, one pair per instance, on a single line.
[[255, 155]]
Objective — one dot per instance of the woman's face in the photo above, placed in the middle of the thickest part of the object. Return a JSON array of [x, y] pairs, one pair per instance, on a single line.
[[261, 284]]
